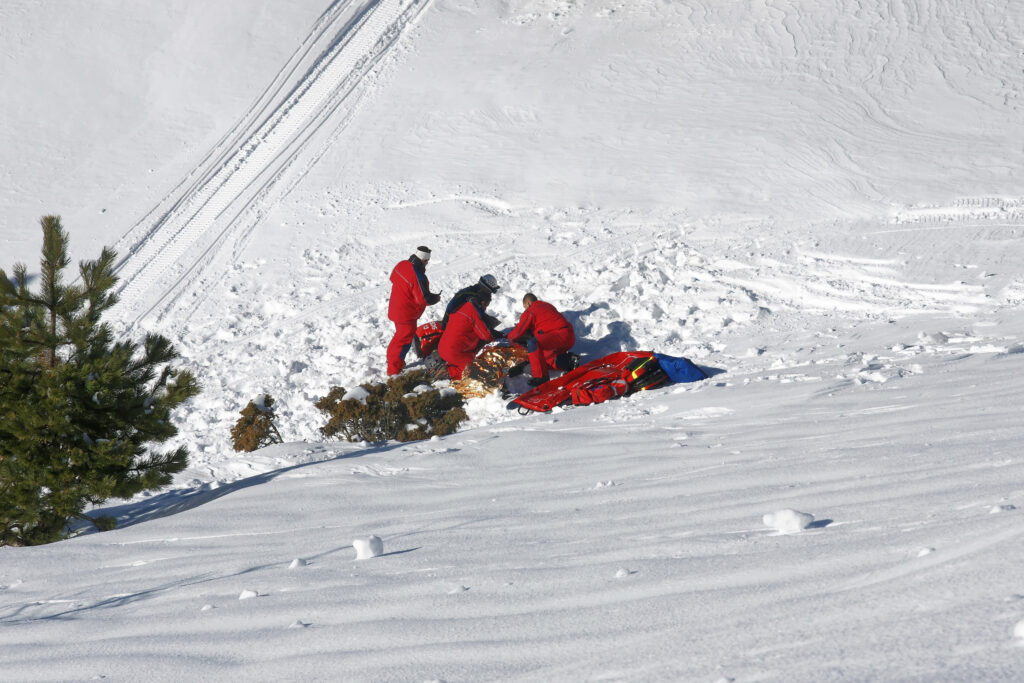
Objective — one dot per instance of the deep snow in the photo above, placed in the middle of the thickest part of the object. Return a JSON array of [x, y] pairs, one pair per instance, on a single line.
[[819, 202]]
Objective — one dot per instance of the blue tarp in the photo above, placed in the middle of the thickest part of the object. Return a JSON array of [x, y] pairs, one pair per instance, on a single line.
[[680, 369]]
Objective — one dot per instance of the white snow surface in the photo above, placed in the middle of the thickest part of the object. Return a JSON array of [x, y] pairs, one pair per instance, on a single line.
[[820, 202]]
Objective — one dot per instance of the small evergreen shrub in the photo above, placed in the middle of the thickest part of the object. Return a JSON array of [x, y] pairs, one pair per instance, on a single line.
[[82, 414], [256, 429], [406, 408]]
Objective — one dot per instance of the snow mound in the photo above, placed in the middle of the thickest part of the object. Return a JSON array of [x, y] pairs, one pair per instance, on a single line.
[[788, 521], [367, 548]]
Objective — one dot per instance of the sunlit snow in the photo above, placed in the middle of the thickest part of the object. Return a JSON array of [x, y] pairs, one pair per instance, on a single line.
[[819, 203]]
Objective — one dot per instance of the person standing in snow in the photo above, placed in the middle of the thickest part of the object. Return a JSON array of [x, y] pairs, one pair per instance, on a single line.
[[410, 296], [485, 286], [466, 331], [552, 335]]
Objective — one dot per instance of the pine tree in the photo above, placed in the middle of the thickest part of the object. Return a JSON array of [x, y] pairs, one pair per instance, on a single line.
[[77, 409]]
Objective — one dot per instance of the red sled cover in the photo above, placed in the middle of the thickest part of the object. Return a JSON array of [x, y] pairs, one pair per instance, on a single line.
[[560, 389], [427, 337], [597, 390]]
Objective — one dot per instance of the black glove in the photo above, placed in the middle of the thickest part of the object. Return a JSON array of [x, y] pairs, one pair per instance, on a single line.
[[433, 299]]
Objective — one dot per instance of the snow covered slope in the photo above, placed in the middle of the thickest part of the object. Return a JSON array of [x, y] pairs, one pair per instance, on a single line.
[[819, 201]]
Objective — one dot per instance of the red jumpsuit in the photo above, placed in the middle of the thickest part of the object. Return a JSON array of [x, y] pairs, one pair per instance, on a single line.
[[409, 291], [465, 333], [552, 333]]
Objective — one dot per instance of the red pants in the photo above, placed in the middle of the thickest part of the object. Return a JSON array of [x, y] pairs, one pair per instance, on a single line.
[[546, 347], [400, 345], [457, 361]]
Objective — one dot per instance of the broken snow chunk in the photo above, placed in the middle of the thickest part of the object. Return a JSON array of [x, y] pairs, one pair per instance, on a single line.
[[296, 563], [356, 394], [937, 338], [248, 595], [368, 547], [788, 521], [1018, 630], [1001, 508]]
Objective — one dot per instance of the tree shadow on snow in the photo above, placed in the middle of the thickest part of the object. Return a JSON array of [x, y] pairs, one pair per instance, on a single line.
[[179, 500]]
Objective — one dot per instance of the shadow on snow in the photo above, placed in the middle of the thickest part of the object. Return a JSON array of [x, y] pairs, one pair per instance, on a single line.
[[179, 500]]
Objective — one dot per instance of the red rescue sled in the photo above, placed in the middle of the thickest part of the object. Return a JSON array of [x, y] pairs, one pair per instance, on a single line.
[[559, 390]]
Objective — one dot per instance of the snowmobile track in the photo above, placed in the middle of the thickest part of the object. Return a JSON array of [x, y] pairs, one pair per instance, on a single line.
[[167, 253]]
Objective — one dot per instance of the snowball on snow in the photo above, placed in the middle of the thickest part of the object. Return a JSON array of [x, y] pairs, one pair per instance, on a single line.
[[788, 521], [368, 547]]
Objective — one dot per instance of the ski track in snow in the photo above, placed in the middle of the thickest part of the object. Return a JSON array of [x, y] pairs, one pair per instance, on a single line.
[[223, 203], [658, 279], [839, 501]]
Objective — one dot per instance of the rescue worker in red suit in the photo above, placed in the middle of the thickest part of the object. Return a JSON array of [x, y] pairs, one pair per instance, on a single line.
[[410, 296], [465, 333], [552, 335]]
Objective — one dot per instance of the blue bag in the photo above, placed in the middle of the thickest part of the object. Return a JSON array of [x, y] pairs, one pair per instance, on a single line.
[[680, 369]]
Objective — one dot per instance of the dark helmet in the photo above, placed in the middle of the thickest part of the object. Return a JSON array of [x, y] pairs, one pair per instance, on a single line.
[[489, 283]]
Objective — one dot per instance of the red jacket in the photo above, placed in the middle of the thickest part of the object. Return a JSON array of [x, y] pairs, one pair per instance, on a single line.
[[539, 318], [464, 332], [409, 290]]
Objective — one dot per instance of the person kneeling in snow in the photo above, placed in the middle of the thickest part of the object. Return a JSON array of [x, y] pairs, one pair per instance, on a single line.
[[466, 332], [485, 286], [553, 335]]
